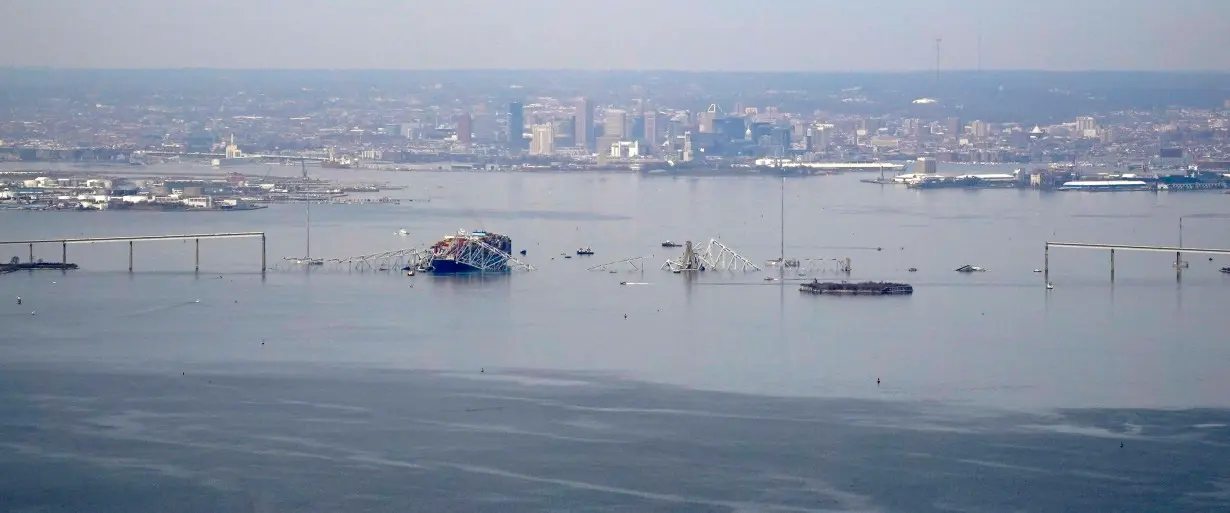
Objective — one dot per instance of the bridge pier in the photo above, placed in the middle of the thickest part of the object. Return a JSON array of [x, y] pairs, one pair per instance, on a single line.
[[129, 256], [198, 256], [1046, 264], [262, 253], [32, 253], [64, 252], [1112, 265]]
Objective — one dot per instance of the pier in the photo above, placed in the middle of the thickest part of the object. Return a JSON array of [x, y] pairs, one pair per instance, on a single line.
[[141, 238], [1178, 254]]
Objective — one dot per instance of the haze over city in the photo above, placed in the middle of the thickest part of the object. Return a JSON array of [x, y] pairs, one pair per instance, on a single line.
[[721, 35]]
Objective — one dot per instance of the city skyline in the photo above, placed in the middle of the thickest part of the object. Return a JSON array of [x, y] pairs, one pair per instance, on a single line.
[[794, 35]]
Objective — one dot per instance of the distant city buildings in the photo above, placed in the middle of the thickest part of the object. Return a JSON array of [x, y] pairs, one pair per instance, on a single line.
[[583, 124], [464, 128], [542, 141], [516, 126]]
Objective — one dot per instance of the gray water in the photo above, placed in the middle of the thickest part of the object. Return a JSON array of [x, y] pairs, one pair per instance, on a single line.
[[331, 390]]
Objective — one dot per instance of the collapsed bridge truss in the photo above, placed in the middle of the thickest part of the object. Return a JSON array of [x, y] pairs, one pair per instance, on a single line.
[[713, 256]]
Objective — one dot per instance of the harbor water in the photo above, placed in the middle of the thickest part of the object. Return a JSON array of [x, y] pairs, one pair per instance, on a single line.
[[560, 389]]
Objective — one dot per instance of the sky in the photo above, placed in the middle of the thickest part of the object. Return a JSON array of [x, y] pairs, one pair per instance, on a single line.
[[727, 35]]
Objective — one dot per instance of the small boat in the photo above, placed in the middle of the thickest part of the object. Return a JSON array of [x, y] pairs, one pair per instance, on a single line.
[[403, 232], [913, 269], [567, 256], [1050, 286], [585, 251], [1037, 270], [970, 269], [523, 252], [669, 244], [1225, 270]]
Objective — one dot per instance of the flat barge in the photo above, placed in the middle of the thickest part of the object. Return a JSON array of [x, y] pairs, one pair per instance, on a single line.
[[36, 266], [863, 288]]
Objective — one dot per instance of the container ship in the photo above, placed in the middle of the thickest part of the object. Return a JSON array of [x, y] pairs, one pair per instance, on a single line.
[[866, 288], [470, 252]]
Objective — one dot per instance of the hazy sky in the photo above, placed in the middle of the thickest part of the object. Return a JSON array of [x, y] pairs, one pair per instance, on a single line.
[[820, 35]]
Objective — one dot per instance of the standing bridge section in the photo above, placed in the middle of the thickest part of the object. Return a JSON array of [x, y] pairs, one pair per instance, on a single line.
[[1179, 264], [64, 243]]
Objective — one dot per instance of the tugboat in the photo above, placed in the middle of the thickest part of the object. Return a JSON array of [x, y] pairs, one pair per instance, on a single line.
[[584, 251], [669, 244]]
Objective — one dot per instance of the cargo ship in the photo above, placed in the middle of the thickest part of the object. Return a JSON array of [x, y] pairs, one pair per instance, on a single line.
[[470, 252], [865, 288]]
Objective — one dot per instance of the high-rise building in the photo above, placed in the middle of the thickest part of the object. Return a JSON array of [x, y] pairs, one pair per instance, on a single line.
[[819, 137], [979, 129], [465, 128], [583, 120], [1086, 127], [615, 124], [543, 140], [653, 130], [927, 165], [516, 126], [952, 127]]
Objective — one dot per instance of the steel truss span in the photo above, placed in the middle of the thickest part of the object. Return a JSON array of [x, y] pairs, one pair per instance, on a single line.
[[487, 258], [713, 256], [635, 263]]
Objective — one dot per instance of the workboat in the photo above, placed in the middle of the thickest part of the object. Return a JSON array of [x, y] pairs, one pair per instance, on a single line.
[[669, 244], [585, 251], [1225, 270]]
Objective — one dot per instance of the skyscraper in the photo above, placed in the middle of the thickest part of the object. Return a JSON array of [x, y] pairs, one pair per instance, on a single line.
[[464, 128], [516, 126], [543, 142], [584, 125], [615, 124], [653, 132]]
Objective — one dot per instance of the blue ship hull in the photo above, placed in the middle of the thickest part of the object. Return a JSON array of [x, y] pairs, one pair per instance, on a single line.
[[449, 266]]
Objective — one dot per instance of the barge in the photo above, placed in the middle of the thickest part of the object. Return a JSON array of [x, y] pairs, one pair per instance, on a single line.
[[863, 288], [36, 266]]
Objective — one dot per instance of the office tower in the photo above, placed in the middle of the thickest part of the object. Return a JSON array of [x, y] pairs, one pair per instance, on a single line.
[[516, 126], [979, 129], [653, 130], [952, 127], [926, 165], [615, 124], [464, 128], [584, 125], [819, 137], [543, 140]]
